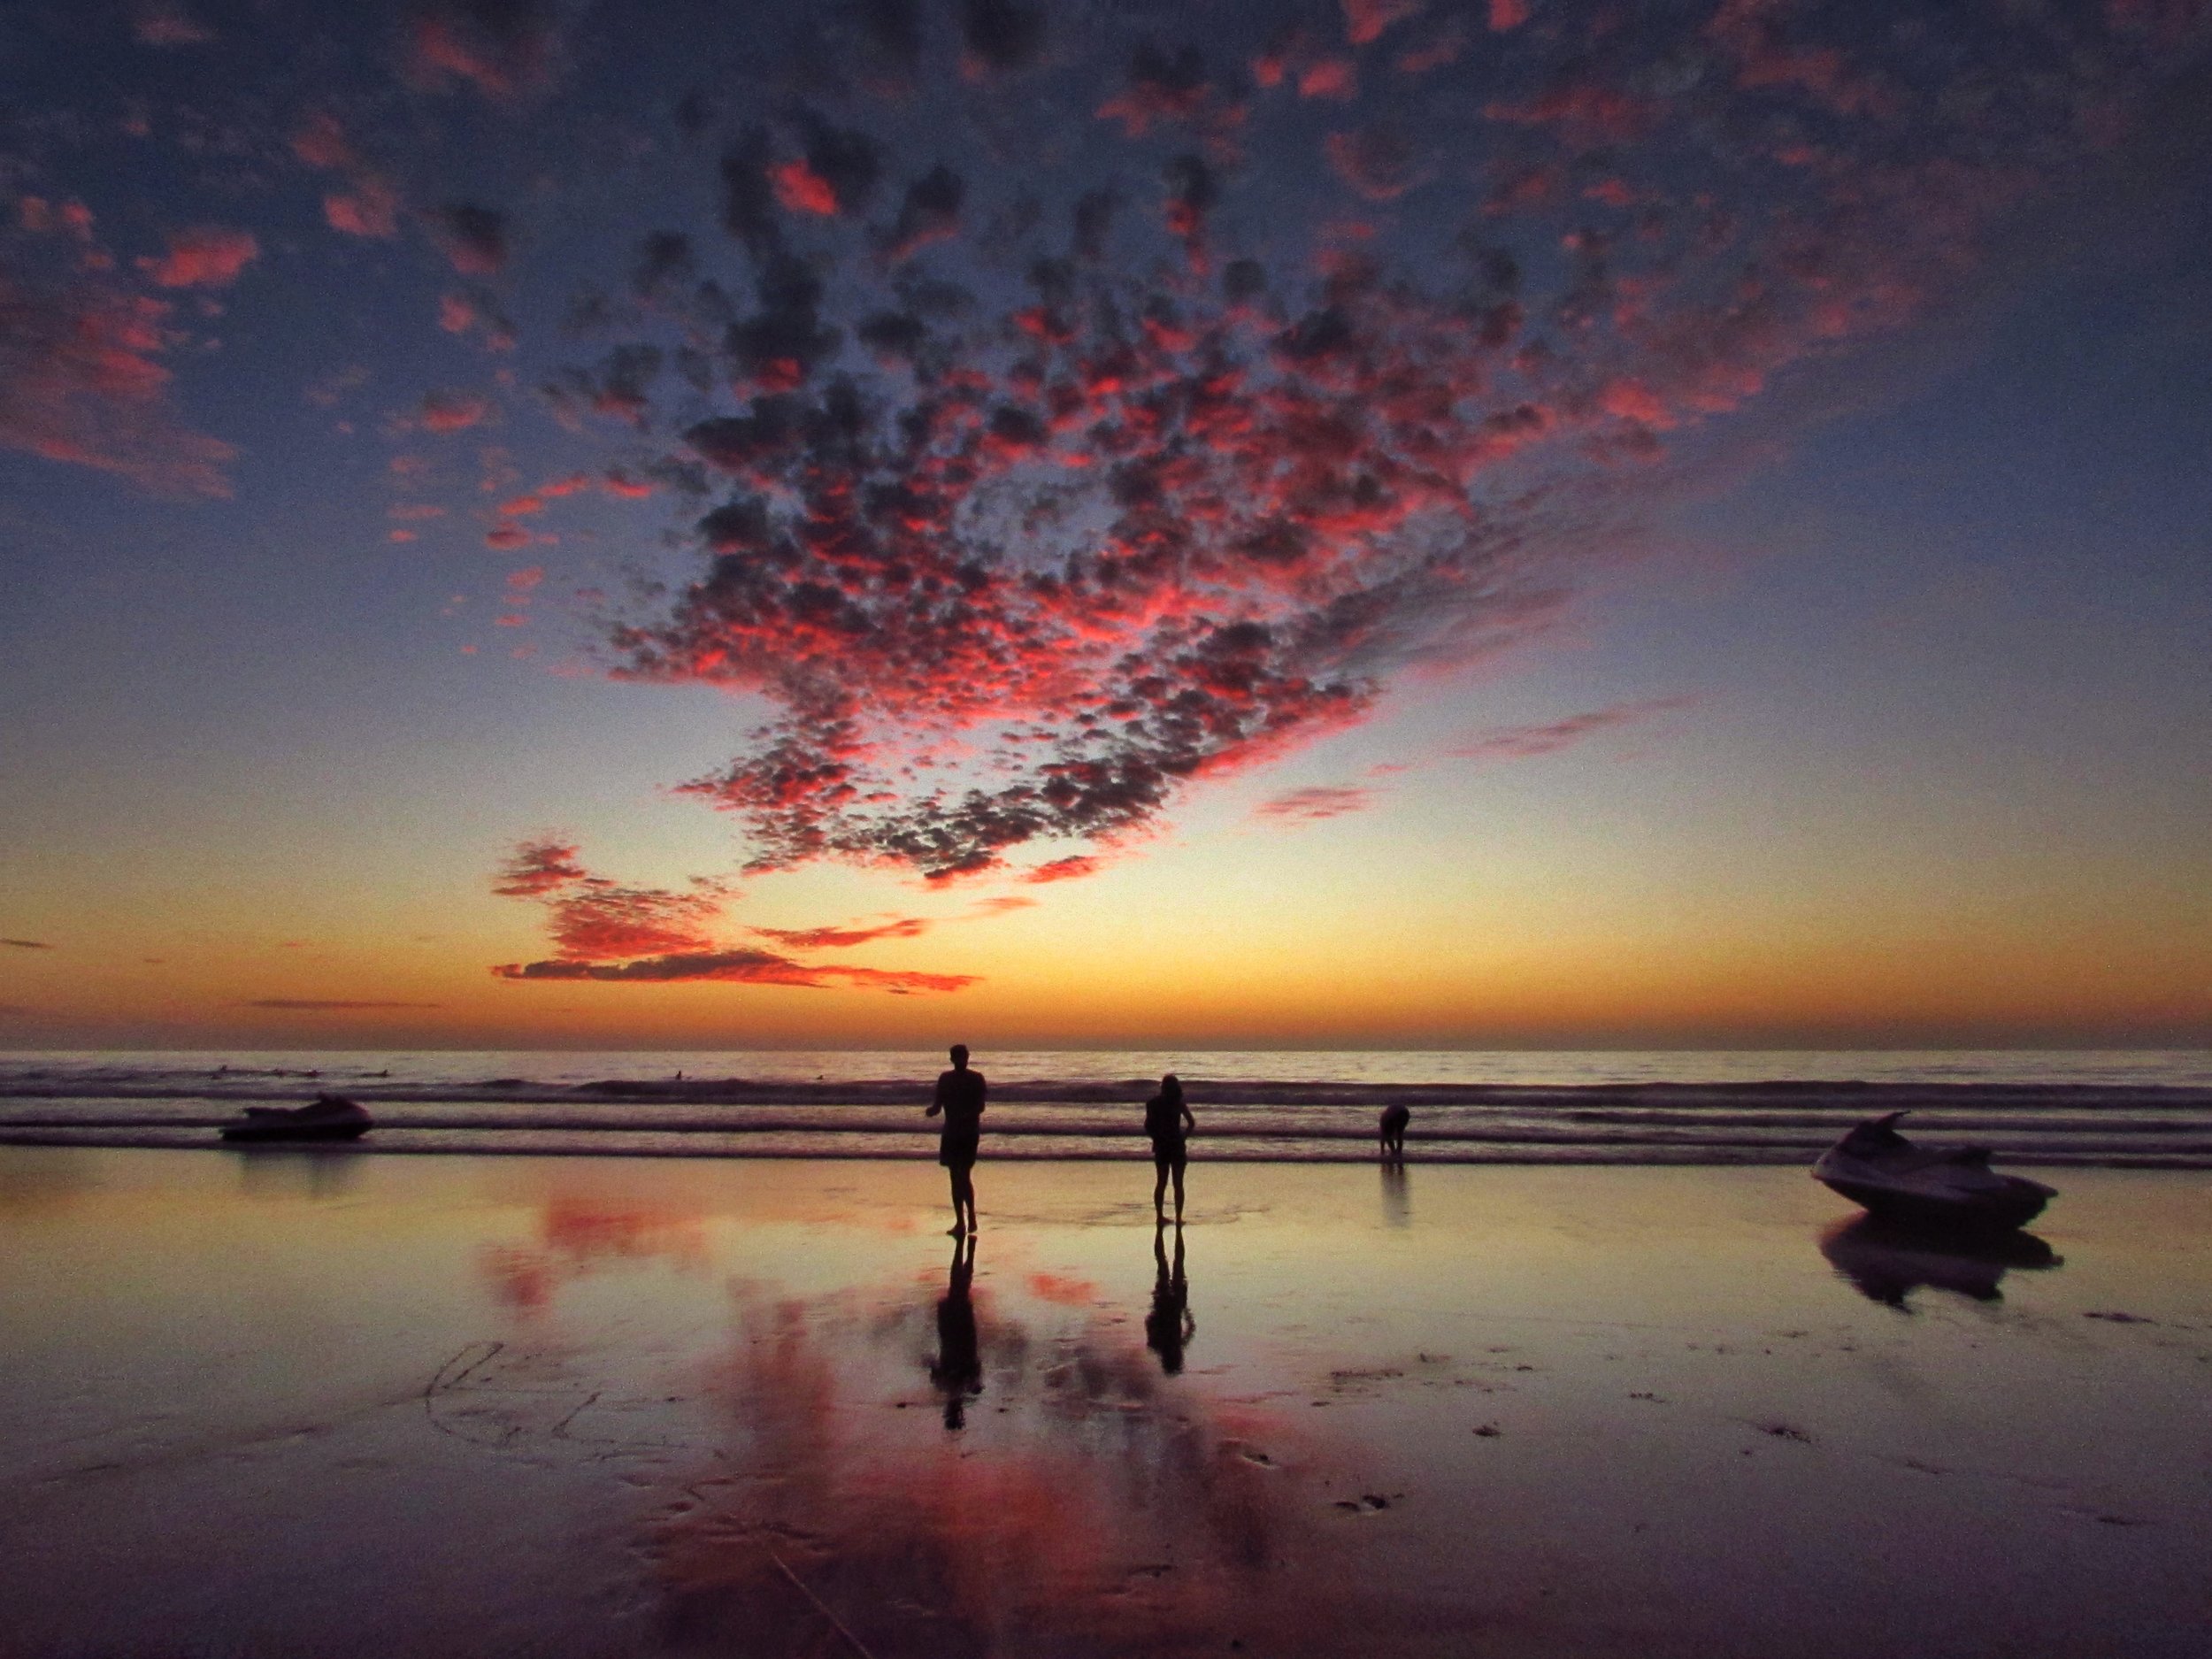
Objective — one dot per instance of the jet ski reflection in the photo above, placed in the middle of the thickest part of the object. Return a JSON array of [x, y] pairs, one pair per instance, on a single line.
[[1886, 1260]]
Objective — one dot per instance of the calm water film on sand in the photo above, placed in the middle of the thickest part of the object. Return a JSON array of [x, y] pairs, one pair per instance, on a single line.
[[1531, 673]]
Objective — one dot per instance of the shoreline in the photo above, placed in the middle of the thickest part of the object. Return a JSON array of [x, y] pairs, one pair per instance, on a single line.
[[693, 1407], [1648, 1154]]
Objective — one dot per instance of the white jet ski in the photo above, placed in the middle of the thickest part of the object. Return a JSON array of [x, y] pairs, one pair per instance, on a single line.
[[1876, 1167]]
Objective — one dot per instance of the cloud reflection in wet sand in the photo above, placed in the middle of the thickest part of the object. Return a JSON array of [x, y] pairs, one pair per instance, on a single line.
[[1086, 1503]]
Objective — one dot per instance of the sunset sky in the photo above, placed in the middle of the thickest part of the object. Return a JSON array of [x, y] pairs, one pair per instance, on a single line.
[[1367, 522]]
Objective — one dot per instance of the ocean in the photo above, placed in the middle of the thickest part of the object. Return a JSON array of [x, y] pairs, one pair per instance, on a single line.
[[2120, 1109]]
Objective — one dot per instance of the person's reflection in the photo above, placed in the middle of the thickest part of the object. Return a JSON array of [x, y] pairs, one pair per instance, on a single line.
[[957, 1371], [1397, 1199], [1169, 1327]]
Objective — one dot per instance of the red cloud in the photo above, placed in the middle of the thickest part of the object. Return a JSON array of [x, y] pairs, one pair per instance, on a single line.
[[603, 931], [503, 48], [1525, 743], [206, 257], [843, 937], [454, 411], [1364, 20], [803, 190], [1310, 805], [1013, 567], [536, 868], [745, 967], [79, 384], [370, 208], [1070, 869], [598, 921]]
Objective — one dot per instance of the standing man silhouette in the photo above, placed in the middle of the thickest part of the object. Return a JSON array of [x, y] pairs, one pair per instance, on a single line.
[[960, 1097]]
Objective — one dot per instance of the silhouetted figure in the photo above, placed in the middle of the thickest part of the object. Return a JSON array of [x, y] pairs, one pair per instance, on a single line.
[[1167, 1120], [957, 1371], [1169, 1327], [960, 1098], [1395, 1119]]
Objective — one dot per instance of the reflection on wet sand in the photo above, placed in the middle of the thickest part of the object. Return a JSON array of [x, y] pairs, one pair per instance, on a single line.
[[1169, 1327], [297, 1172], [1096, 1507], [957, 1371], [1886, 1261], [577, 1237], [1397, 1197]]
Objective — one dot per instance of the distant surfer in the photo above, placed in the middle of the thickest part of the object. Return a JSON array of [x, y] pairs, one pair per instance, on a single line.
[[960, 1098], [1395, 1119]]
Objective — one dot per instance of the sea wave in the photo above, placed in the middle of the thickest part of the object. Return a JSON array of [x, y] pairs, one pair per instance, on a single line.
[[1306, 1119]]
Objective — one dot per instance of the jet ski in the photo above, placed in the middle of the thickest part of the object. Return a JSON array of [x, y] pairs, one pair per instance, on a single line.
[[1878, 1168], [329, 1118]]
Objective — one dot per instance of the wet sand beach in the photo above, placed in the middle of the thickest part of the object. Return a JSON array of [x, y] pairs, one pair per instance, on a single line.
[[285, 1404]]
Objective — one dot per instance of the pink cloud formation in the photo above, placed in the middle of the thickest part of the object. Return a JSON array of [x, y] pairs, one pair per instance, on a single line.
[[369, 203], [206, 255], [502, 49], [453, 411], [1526, 742], [80, 384], [536, 868], [606, 932], [844, 937], [160, 23], [740, 967], [1314, 803], [1073, 868], [1026, 518], [1364, 20]]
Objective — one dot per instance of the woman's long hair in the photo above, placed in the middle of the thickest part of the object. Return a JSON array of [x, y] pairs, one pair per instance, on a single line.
[[1171, 1089]]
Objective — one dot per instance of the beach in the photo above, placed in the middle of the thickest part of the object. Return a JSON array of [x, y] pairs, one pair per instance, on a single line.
[[284, 1403]]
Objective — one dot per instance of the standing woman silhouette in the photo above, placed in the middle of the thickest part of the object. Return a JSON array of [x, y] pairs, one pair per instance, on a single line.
[[960, 1098], [1167, 1120]]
